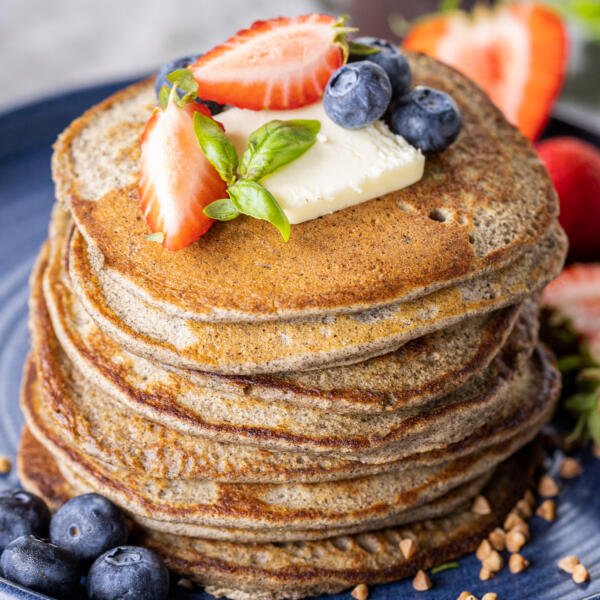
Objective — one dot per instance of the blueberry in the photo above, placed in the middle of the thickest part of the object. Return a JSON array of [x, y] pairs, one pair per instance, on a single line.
[[391, 60], [40, 566], [426, 118], [357, 94], [181, 63], [21, 513], [128, 572], [87, 526]]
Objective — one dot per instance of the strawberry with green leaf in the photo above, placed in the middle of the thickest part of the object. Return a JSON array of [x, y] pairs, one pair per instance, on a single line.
[[176, 180]]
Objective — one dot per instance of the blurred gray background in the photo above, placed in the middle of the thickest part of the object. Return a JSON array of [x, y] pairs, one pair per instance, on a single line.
[[48, 46], [51, 45]]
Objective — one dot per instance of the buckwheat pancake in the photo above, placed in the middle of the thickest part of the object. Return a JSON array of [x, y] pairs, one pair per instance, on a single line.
[[294, 510], [265, 347], [420, 371], [208, 413], [479, 205], [84, 419], [294, 570]]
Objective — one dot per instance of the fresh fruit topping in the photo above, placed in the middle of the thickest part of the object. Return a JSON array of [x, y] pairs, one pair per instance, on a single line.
[[40, 566], [426, 118], [516, 53], [575, 170], [576, 294], [128, 572], [389, 58], [357, 94], [272, 146], [276, 64], [87, 526], [21, 513], [176, 180], [162, 80]]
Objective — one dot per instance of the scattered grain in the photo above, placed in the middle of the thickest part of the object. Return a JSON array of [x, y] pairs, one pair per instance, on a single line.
[[408, 547], [514, 520], [568, 563], [547, 510], [494, 561], [490, 596], [421, 582], [523, 508], [529, 498], [483, 550], [547, 487], [517, 563], [186, 584], [570, 468], [5, 465], [515, 540], [360, 592], [481, 506], [466, 596], [580, 574], [485, 574], [498, 539]]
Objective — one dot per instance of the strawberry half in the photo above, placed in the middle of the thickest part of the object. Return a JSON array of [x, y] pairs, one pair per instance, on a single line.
[[576, 294], [517, 53], [277, 64], [176, 179]]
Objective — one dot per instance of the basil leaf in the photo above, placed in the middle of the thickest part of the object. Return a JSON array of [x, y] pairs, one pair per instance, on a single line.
[[221, 210], [358, 49], [184, 80], [163, 96], [594, 426], [581, 402], [276, 144], [254, 200], [216, 147]]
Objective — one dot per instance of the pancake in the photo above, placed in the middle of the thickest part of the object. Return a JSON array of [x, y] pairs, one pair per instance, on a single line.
[[254, 348], [293, 570], [88, 422], [420, 371], [480, 203], [292, 510], [245, 420]]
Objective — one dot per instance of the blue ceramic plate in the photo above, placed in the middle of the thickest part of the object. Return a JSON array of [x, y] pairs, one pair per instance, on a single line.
[[26, 196]]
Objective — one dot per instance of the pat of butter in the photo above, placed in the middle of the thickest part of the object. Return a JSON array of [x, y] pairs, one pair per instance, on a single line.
[[343, 168]]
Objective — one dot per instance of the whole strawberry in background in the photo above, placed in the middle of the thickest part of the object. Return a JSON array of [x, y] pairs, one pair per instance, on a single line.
[[516, 52], [574, 167]]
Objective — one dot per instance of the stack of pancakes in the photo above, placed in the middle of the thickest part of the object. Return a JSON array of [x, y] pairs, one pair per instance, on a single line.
[[275, 417]]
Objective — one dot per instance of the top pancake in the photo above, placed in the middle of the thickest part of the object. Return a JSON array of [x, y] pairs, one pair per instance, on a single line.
[[479, 204]]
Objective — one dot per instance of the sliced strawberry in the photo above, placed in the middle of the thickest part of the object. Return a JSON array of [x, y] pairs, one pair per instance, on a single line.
[[176, 180], [576, 294], [277, 64], [517, 53], [574, 167]]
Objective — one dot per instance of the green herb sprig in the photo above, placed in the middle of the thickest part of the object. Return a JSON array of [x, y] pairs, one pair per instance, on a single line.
[[581, 377], [272, 146]]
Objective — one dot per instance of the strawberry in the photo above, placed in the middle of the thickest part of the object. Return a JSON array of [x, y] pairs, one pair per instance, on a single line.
[[176, 180], [277, 64], [517, 53], [575, 170], [576, 294]]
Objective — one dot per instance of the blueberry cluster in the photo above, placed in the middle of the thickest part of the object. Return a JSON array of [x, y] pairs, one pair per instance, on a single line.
[[371, 85], [87, 533]]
